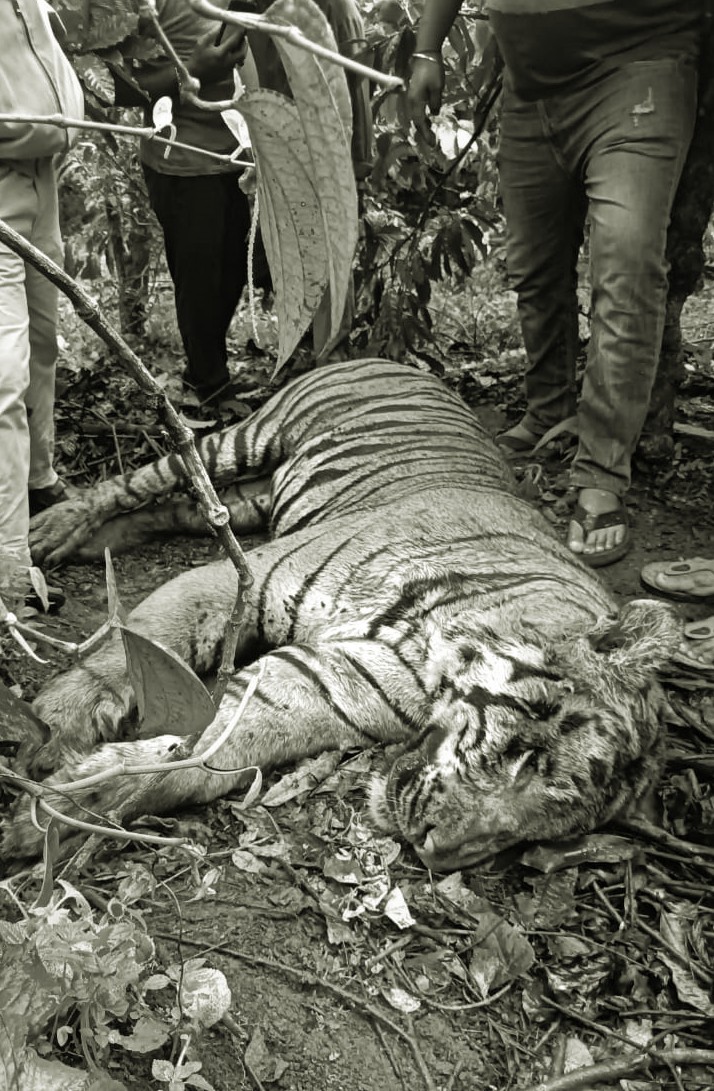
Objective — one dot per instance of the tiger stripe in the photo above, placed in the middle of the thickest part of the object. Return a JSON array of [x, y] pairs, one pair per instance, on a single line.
[[406, 594]]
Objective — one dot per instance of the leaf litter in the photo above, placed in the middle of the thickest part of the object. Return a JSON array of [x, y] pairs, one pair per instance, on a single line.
[[349, 966]]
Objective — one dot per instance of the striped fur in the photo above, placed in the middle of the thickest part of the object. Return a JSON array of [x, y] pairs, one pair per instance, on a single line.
[[406, 595]]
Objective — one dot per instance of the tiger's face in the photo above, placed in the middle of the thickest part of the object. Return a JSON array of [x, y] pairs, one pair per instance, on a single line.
[[529, 740]]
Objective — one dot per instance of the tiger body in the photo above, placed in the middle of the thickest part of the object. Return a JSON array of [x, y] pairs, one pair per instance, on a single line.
[[406, 595]]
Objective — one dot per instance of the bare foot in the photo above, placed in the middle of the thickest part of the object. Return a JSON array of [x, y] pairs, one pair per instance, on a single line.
[[587, 540]]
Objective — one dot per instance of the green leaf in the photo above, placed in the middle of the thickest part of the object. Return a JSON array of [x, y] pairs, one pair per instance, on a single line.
[[324, 107], [98, 24], [171, 699], [290, 214]]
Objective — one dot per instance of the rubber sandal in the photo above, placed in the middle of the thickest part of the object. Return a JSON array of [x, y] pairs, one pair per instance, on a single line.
[[650, 572], [516, 441], [590, 522], [700, 630]]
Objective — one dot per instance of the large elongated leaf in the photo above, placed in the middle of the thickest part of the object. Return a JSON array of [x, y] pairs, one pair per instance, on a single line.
[[323, 102], [291, 219]]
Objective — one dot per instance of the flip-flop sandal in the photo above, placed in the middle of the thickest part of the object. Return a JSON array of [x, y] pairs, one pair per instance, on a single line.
[[700, 630], [514, 443], [693, 631], [650, 572], [590, 522]]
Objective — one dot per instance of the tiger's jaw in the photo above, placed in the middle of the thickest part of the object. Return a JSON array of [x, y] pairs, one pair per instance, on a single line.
[[458, 813], [450, 842]]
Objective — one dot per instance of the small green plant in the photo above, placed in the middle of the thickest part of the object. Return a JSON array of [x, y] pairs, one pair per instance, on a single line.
[[85, 981], [430, 210]]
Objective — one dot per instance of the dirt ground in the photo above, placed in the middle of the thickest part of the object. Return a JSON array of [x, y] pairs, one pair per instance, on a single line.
[[308, 985], [328, 990]]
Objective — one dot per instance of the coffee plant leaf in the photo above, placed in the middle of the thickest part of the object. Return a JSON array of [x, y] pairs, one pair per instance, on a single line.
[[291, 220], [322, 98], [96, 77], [98, 24]]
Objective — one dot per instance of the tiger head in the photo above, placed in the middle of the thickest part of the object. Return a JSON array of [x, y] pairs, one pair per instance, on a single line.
[[529, 738]]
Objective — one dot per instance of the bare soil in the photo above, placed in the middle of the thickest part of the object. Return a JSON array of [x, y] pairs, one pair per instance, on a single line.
[[327, 991]]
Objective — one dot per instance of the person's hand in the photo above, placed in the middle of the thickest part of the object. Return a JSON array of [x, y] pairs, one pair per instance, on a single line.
[[426, 86], [210, 63]]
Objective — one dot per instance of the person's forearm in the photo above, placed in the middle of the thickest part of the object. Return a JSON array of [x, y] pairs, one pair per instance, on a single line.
[[157, 81], [435, 24], [153, 82]]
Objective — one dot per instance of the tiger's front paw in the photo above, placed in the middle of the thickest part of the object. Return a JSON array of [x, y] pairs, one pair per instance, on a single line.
[[58, 531]]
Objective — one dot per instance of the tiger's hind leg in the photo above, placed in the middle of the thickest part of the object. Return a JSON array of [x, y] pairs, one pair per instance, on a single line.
[[307, 700], [93, 701]]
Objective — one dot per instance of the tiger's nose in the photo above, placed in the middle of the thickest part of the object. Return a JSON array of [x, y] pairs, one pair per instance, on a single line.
[[443, 853]]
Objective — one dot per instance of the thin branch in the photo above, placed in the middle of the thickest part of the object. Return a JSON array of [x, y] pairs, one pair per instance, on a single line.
[[215, 513], [140, 131], [296, 37], [609, 1071], [69, 647], [117, 832]]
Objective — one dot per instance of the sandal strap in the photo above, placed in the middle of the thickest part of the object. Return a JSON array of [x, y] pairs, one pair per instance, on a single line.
[[590, 521]]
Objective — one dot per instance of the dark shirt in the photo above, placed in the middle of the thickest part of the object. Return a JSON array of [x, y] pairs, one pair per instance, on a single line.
[[552, 46]]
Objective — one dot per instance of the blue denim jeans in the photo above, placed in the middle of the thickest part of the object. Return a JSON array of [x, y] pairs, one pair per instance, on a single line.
[[612, 152]]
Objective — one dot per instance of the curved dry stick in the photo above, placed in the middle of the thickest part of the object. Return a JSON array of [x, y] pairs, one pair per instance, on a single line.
[[296, 37], [216, 514], [139, 131], [608, 1071]]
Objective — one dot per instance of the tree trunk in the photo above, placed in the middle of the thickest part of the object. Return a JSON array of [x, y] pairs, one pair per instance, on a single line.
[[690, 217]]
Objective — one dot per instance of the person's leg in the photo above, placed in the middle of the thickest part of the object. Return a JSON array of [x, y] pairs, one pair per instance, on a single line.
[[635, 128], [544, 208], [42, 311], [206, 244], [17, 201], [234, 251]]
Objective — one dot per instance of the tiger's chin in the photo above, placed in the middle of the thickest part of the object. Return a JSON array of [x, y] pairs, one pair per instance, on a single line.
[[437, 855]]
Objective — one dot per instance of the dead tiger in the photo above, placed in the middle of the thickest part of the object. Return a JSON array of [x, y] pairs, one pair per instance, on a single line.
[[406, 595]]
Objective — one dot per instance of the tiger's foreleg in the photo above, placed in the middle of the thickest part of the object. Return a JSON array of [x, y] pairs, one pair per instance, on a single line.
[[247, 503], [59, 531], [308, 700]]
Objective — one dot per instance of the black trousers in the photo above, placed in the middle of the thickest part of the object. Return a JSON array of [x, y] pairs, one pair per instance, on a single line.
[[205, 220]]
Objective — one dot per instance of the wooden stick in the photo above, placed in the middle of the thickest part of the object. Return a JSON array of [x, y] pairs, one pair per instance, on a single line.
[[215, 513], [296, 37]]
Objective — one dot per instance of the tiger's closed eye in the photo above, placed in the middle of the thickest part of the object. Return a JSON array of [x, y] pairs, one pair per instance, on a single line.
[[543, 710], [525, 763], [518, 756]]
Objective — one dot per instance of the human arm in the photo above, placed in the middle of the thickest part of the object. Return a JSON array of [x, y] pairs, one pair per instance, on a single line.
[[208, 63], [426, 83]]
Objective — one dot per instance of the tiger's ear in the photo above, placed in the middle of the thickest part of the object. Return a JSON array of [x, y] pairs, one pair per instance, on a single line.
[[637, 642]]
